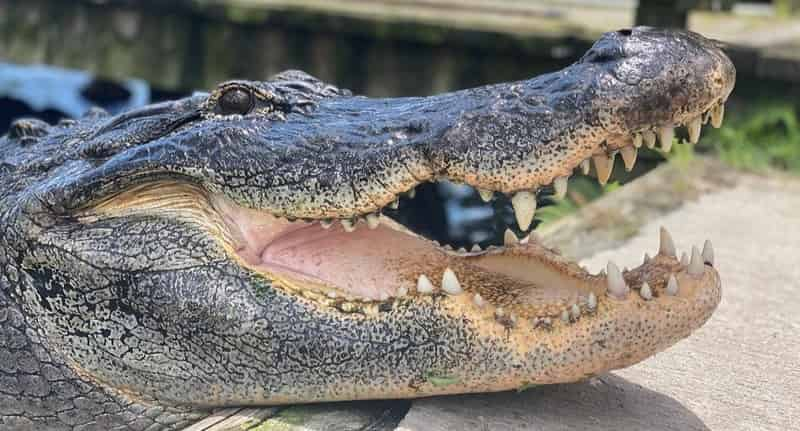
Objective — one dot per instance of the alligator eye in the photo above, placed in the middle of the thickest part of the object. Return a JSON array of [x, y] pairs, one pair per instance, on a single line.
[[236, 101]]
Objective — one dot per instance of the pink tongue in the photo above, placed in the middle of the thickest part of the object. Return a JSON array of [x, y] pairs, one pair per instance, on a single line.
[[364, 262]]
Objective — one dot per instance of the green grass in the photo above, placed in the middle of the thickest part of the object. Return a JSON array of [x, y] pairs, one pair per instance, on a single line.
[[764, 135]]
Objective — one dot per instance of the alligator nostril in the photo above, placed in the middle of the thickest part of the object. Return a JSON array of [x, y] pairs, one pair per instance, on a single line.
[[624, 32]]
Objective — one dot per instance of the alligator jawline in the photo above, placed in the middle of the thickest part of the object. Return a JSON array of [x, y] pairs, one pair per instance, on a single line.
[[363, 265]]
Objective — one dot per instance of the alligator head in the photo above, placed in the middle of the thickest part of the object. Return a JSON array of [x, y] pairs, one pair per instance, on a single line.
[[229, 248]]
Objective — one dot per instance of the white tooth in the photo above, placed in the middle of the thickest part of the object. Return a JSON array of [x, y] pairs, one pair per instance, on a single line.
[[560, 186], [708, 253], [565, 316], [629, 156], [348, 225], [326, 224], [666, 246], [411, 193], [585, 167], [383, 297], [694, 126], [450, 283], [476, 248], [424, 285], [331, 294], [373, 220], [649, 139], [402, 291], [646, 292], [486, 195], [525, 239], [591, 301], [696, 266], [603, 164], [665, 136], [646, 258], [524, 204], [684, 259], [478, 300], [575, 311], [616, 284], [510, 238], [717, 113], [395, 204], [462, 250], [672, 285], [637, 140], [448, 247], [499, 312]]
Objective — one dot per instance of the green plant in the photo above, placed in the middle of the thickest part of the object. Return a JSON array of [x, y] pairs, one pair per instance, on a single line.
[[765, 135]]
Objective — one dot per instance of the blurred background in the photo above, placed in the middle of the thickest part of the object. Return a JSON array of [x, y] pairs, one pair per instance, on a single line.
[[59, 58]]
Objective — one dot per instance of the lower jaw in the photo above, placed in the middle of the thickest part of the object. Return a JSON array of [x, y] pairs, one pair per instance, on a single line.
[[522, 283]]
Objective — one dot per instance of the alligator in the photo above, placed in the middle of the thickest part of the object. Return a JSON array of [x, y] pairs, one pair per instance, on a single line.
[[229, 248]]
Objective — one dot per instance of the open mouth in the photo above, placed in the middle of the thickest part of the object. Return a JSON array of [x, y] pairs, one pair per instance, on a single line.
[[368, 262]]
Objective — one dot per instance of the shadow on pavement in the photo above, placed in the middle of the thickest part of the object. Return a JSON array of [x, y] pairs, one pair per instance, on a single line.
[[608, 402]]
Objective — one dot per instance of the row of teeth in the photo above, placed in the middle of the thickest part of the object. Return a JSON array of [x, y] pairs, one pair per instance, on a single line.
[[524, 202], [616, 287]]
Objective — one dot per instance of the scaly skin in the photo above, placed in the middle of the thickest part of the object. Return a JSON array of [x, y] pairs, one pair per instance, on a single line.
[[133, 293]]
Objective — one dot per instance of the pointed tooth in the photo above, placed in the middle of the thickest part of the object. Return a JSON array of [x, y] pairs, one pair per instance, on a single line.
[[684, 259], [411, 193], [629, 154], [646, 259], [586, 167], [696, 266], [717, 114], [524, 204], [649, 139], [672, 285], [637, 140], [499, 312], [510, 238], [424, 284], [448, 247], [646, 292], [478, 300], [476, 248], [486, 195], [326, 224], [694, 126], [348, 225], [560, 186], [665, 136], [603, 165], [402, 291], [708, 253], [575, 311], [373, 220], [616, 284], [395, 204], [565, 316], [591, 301], [666, 246], [450, 283], [462, 250]]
